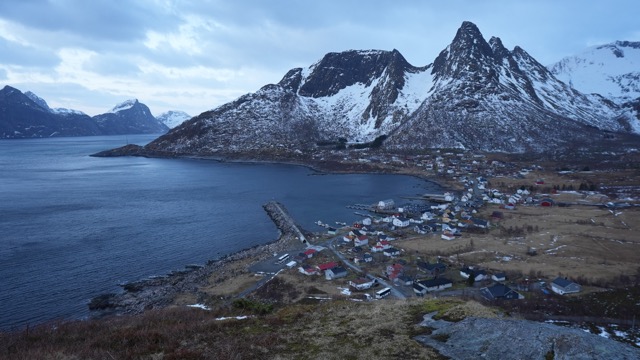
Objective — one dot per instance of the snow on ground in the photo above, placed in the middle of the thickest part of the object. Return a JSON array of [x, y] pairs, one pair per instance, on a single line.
[[200, 306]]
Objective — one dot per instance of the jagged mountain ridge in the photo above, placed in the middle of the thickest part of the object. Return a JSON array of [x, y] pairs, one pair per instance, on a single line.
[[324, 102], [475, 95], [489, 98], [26, 115]]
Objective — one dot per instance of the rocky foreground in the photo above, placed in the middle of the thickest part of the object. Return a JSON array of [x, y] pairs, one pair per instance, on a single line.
[[474, 338]]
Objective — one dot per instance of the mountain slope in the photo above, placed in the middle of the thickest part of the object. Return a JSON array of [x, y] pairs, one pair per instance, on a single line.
[[611, 70], [356, 95], [487, 97]]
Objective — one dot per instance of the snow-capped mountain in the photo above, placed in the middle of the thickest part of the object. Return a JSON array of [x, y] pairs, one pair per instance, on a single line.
[[611, 70], [475, 95], [60, 111], [486, 97], [173, 118], [129, 117], [29, 116]]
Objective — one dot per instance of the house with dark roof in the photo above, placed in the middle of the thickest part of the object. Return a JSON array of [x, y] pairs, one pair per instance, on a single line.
[[421, 287], [335, 273], [500, 291], [563, 286], [391, 252], [431, 269], [404, 280]]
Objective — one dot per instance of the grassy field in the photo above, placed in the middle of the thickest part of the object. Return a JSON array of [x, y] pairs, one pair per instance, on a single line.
[[327, 330]]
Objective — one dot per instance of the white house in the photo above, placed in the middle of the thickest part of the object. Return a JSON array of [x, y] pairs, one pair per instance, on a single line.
[[386, 204], [478, 275], [563, 286], [423, 286], [391, 252], [361, 240], [361, 283], [401, 222]]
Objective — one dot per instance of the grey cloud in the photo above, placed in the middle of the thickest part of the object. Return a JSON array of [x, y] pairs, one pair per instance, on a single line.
[[96, 19], [16, 54]]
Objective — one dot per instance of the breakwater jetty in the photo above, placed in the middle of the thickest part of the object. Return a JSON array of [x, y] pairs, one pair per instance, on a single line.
[[284, 221]]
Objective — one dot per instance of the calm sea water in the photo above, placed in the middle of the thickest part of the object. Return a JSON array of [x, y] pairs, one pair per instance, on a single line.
[[73, 226]]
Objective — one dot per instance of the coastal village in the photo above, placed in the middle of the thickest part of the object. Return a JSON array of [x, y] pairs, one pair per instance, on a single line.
[[396, 245], [528, 239], [503, 234]]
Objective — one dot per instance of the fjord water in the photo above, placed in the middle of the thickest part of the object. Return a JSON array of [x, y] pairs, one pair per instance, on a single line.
[[74, 226]]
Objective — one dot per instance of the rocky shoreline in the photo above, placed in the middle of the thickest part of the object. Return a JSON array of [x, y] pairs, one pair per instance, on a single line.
[[160, 292]]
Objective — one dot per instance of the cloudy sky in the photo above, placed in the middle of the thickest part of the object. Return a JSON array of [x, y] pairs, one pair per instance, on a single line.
[[194, 55]]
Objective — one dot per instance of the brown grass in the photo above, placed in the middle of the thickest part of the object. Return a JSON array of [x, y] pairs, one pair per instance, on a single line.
[[332, 330]]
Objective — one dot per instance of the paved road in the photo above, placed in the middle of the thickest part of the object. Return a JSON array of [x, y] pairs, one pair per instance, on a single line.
[[330, 244]]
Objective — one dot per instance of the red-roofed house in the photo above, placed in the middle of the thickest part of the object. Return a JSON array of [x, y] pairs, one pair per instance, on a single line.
[[327, 266], [361, 240], [394, 270], [310, 253]]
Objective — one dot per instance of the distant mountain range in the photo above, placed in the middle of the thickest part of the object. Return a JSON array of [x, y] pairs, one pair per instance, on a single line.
[[26, 115], [475, 95]]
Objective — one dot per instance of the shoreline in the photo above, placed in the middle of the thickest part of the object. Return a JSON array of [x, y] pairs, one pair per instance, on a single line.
[[161, 291], [340, 167]]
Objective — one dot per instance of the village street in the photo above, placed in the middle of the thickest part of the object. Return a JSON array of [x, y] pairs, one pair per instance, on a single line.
[[330, 244]]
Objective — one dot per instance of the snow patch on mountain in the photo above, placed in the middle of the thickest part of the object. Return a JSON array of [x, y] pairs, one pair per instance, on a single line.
[[125, 105], [66, 112], [38, 100], [173, 118], [612, 70]]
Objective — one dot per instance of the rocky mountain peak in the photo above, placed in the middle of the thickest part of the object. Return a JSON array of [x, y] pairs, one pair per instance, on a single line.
[[499, 51], [337, 71], [466, 57]]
